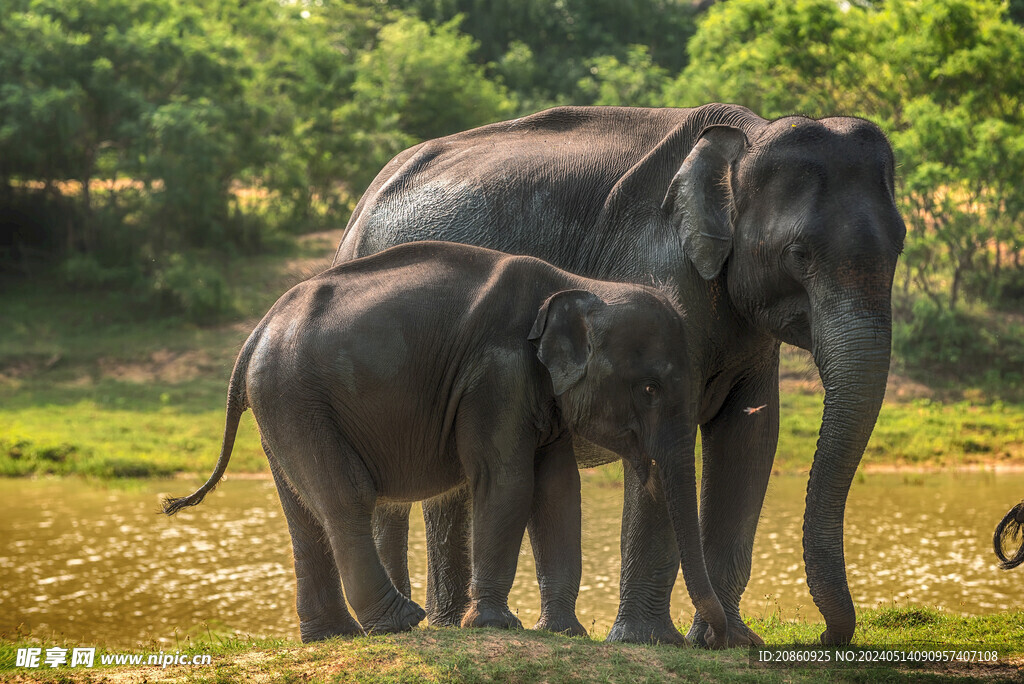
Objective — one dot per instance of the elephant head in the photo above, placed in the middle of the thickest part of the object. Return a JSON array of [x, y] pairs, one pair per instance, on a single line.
[[623, 382], [798, 218], [1010, 530]]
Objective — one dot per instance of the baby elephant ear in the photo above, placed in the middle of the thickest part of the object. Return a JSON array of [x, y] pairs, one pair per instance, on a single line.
[[562, 334]]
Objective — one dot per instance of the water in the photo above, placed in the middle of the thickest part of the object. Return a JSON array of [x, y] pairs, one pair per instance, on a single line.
[[100, 566]]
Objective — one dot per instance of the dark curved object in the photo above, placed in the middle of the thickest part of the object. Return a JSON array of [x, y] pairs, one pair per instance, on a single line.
[[1010, 530]]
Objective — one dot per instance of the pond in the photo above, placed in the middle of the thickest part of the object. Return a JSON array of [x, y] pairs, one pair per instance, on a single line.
[[100, 565]]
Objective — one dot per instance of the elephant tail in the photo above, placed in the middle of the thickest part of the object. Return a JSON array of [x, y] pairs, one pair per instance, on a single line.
[[1009, 531], [237, 403]]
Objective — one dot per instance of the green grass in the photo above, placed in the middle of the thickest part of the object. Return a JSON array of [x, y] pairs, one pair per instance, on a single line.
[[92, 383], [108, 428], [85, 438], [918, 432], [453, 655]]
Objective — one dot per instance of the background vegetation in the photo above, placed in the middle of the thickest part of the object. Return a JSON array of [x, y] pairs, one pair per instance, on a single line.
[[158, 160]]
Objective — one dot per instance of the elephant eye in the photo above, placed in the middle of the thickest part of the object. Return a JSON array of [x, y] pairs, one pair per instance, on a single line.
[[795, 259], [651, 389]]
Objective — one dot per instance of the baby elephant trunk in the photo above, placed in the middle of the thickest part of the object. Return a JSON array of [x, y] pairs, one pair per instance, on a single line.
[[680, 484]]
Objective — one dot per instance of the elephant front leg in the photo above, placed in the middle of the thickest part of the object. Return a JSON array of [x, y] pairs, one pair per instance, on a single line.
[[447, 521], [555, 528], [738, 449], [650, 563], [496, 443], [500, 512]]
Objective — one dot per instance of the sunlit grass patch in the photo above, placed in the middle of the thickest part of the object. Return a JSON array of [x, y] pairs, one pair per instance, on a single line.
[[87, 439], [487, 655]]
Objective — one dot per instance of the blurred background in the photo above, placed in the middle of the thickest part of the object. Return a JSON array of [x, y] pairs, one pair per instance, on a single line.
[[168, 169]]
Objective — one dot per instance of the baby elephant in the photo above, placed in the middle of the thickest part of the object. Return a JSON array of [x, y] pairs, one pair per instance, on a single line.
[[431, 366]]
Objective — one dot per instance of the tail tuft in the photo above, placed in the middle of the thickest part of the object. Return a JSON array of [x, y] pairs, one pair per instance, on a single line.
[[1010, 533], [173, 504]]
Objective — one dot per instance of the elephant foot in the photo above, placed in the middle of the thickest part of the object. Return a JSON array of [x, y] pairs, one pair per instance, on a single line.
[[702, 636], [402, 617], [489, 616], [564, 624], [635, 631], [450, 616], [829, 638], [311, 631]]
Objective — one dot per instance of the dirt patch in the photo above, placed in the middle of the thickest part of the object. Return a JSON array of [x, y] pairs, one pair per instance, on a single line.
[[902, 387], [27, 366], [323, 245], [163, 365], [925, 469], [798, 374]]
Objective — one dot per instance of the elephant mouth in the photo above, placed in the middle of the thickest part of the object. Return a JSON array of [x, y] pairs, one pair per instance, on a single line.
[[796, 330], [636, 456]]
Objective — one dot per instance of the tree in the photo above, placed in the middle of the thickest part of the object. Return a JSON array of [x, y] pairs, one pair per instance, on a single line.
[[561, 37], [933, 73], [636, 83], [777, 57], [417, 82], [152, 89], [956, 114]]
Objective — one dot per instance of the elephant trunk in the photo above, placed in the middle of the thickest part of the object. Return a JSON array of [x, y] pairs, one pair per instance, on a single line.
[[851, 349], [680, 485]]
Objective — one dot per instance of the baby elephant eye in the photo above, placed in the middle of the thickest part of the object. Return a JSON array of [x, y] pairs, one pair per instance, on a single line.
[[651, 389]]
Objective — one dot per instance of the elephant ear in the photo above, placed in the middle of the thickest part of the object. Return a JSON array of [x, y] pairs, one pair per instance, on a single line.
[[700, 199], [562, 334]]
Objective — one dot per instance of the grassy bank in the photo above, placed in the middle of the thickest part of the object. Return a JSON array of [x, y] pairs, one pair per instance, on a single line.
[[92, 384], [128, 429], [451, 655]]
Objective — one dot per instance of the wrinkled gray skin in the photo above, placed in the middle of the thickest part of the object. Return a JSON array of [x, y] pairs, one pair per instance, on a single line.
[[769, 230], [437, 367], [1010, 532]]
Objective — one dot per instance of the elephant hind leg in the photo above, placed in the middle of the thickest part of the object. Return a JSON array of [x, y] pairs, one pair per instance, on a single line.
[[342, 496], [391, 535], [448, 525], [319, 599]]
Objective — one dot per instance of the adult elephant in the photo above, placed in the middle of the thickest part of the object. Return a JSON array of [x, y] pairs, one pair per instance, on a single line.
[[769, 231]]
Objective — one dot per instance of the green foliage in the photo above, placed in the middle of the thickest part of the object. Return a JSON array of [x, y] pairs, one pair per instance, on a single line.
[[934, 74], [958, 346], [193, 288], [149, 88], [423, 75], [776, 57], [957, 122], [158, 128], [563, 37], [417, 82], [636, 83]]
